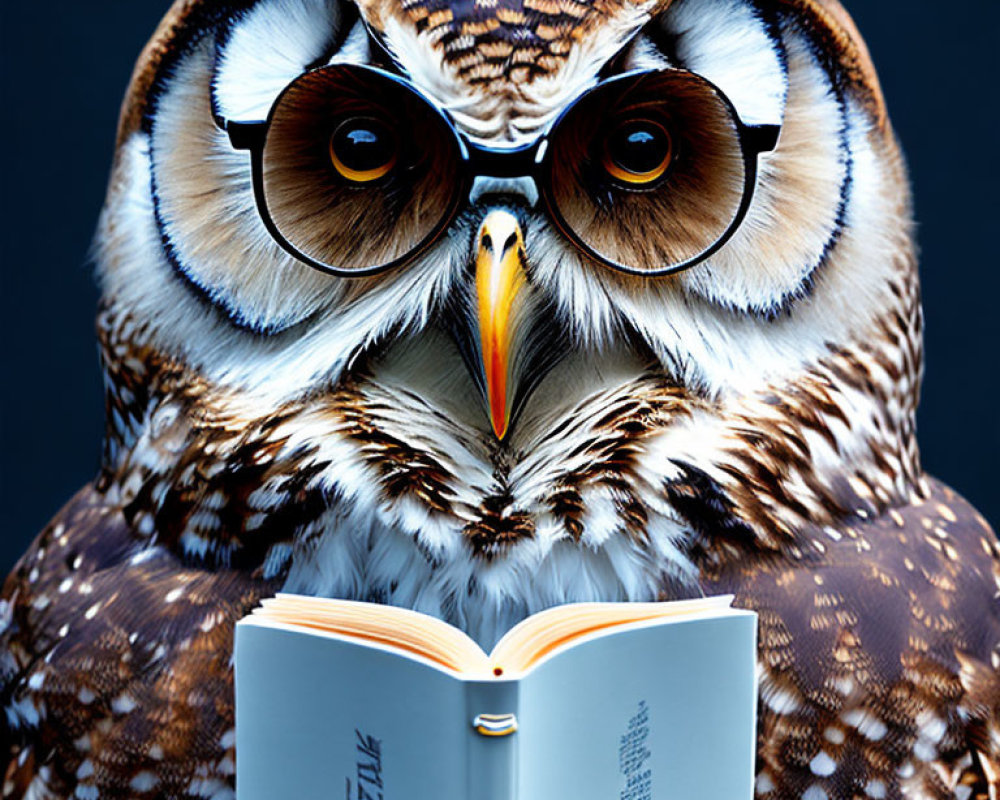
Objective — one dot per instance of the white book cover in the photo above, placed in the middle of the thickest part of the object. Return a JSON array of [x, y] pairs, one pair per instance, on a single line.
[[663, 708]]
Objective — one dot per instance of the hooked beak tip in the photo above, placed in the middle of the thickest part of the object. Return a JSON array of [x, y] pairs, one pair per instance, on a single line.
[[500, 428]]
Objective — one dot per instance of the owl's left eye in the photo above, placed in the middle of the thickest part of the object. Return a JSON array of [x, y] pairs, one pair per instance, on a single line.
[[363, 149], [637, 153]]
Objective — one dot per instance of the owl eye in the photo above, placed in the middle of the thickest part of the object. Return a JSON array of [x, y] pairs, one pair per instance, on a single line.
[[363, 150], [637, 152]]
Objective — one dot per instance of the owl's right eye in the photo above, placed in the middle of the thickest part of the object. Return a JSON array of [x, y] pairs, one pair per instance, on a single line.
[[637, 153], [363, 149]]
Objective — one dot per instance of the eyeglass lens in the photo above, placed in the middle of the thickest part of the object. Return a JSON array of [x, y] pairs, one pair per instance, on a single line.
[[343, 179], [648, 171]]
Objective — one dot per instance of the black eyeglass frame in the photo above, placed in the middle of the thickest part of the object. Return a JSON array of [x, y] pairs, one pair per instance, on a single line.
[[532, 160]]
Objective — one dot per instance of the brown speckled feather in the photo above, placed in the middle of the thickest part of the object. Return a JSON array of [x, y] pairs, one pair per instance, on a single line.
[[117, 661], [878, 645], [487, 41]]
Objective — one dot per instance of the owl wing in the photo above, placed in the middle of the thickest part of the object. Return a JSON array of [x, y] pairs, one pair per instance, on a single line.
[[115, 669], [879, 656]]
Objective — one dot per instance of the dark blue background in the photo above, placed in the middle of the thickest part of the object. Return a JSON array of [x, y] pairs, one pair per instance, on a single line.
[[64, 65]]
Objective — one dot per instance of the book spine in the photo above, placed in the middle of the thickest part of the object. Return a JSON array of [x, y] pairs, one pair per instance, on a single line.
[[492, 708]]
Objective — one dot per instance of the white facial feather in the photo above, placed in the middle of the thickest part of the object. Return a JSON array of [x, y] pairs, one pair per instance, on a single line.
[[266, 49], [735, 51], [217, 238], [796, 214]]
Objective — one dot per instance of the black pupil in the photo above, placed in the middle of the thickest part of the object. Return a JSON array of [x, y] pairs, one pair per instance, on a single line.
[[363, 145], [639, 147]]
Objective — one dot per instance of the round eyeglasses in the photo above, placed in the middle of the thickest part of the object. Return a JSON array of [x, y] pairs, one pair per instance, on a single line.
[[356, 171]]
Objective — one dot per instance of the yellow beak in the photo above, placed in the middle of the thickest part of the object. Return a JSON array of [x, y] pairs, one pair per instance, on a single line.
[[500, 279]]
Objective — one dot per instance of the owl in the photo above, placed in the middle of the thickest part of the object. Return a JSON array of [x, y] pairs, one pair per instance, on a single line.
[[478, 307]]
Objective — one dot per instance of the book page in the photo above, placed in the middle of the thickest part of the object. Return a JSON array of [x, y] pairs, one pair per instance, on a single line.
[[410, 631], [320, 717], [647, 712], [540, 635]]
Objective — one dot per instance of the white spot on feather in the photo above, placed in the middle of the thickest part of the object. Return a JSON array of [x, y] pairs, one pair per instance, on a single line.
[[144, 781], [822, 765], [866, 723], [123, 704], [173, 595], [876, 789]]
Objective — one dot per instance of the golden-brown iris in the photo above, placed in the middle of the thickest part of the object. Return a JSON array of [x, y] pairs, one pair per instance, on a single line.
[[637, 152], [363, 149]]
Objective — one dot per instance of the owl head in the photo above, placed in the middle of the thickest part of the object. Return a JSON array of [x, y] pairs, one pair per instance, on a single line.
[[483, 306]]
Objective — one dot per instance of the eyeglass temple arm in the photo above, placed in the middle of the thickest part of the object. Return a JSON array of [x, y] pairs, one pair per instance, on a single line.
[[761, 138], [245, 135]]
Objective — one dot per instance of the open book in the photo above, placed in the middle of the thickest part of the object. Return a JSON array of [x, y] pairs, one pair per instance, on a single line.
[[601, 701]]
